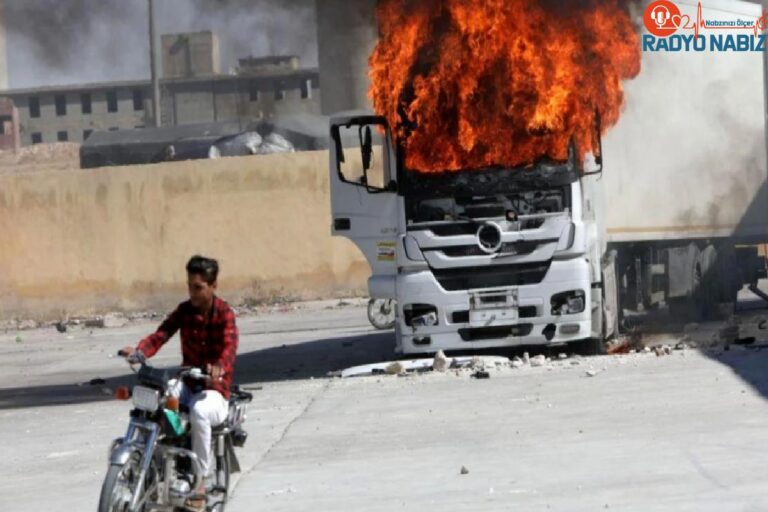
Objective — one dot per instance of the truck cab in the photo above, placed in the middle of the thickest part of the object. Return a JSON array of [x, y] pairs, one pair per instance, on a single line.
[[475, 259]]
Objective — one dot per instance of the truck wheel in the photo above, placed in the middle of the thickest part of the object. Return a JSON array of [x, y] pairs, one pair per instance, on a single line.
[[612, 311], [708, 292]]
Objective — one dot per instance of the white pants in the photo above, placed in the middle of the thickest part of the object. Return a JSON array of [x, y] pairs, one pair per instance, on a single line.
[[207, 409]]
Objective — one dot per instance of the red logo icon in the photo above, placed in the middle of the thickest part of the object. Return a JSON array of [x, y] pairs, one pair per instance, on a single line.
[[662, 18]]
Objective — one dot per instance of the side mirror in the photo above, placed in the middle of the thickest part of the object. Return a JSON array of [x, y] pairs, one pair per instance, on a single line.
[[366, 147]]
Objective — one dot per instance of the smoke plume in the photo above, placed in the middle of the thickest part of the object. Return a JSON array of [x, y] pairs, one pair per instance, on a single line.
[[52, 42]]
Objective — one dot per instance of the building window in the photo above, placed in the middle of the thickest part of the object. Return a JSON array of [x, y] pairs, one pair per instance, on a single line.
[[279, 92], [34, 106], [111, 101], [61, 104], [37, 138], [306, 89], [62, 136], [114, 129], [86, 134], [253, 92], [85, 101], [138, 99]]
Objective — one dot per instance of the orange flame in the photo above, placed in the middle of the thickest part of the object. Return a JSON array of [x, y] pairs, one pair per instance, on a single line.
[[472, 84]]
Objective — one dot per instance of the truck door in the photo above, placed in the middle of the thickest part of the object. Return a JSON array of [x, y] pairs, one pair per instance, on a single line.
[[365, 205]]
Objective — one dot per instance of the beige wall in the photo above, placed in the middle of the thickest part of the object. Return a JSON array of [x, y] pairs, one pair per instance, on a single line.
[[83, 242]]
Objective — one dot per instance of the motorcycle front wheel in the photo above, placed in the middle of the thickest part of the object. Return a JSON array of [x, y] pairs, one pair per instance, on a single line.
[[220, 493], [120, 484], [381, 313]]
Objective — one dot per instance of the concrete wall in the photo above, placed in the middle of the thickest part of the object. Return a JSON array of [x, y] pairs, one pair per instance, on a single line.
[[83, 242]]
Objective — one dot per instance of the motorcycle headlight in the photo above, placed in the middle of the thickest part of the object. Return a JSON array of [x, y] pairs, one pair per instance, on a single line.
[[146, 399]]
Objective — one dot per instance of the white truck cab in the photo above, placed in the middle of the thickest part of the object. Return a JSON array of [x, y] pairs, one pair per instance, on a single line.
[[475, 259]]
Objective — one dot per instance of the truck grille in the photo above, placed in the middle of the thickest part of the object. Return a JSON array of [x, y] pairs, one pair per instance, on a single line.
[[495, 333], [494, 276], [518, 249]]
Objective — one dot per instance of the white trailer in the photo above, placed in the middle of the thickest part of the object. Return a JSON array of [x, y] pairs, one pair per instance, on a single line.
[[556, 255]]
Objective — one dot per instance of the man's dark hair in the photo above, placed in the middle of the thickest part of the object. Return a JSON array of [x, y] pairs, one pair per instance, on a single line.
[[207, 268]]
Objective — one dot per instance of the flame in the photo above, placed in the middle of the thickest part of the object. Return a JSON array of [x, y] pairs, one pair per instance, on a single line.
[[472, 84]]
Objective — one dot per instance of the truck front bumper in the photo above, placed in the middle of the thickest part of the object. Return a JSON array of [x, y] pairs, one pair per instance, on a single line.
[[535, 325]]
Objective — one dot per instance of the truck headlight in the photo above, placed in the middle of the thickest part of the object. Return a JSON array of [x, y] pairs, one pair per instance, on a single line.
[[420, 315], [569, 303]]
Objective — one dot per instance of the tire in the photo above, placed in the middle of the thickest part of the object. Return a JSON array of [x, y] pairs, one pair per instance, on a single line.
[[222, 479], [707, 295], [381, 313], [116, 473]]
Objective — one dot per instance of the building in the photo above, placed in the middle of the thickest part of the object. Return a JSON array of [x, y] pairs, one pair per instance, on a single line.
[[71, 113], [190, 54], [192, 92], [9, 125], [3, 54]]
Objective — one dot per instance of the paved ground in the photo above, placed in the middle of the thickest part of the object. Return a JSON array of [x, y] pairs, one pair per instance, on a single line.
[[687, 431]]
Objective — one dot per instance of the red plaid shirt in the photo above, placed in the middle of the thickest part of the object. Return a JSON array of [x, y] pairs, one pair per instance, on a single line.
[[211, 340]]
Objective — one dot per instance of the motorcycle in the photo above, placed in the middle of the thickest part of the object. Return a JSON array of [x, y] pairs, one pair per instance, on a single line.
[[381, 313], [152, 467]]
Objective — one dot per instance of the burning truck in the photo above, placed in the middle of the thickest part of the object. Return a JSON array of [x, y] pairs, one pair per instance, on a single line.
[[531, 178]]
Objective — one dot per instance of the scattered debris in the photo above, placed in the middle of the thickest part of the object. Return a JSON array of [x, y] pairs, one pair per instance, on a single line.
[[114, 321], [464, 470], [61, 327], [517, 362], [539, 360], [26, 325], [18, 339], [762, 325], [440, 363], [420, 365], [395, 368], [622, 346], [526, 358], [477, 363], [729, 334], [562, 356], [97, 322], [97, 382], [592, 373], [481, 374]]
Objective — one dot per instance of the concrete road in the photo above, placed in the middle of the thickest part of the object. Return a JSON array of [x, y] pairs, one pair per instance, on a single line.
[[687, 431]]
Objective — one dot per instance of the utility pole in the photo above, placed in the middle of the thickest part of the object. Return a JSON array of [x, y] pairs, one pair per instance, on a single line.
[[153, 64]]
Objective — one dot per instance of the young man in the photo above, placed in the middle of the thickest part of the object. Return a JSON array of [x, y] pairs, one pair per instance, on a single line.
[[209, 341]]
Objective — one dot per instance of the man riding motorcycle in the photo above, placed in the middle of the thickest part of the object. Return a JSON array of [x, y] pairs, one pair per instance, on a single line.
[[209, 340]]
